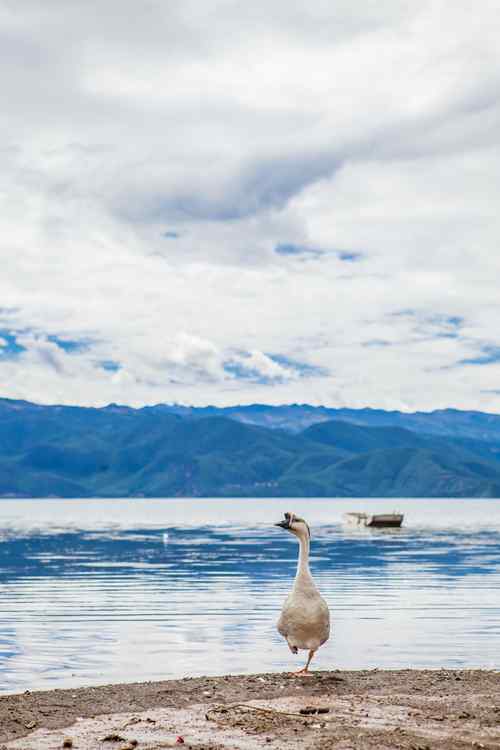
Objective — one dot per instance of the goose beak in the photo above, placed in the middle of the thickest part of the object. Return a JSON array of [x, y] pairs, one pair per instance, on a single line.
[[287, 522], [282, 524]]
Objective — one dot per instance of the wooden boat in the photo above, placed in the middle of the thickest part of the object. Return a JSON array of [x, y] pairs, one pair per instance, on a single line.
[[377, 520]]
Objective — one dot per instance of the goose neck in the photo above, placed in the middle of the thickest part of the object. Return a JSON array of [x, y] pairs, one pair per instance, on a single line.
[[303, 561]]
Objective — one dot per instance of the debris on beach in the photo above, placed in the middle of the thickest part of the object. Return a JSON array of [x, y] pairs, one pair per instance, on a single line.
[[393, 710], [113, 737], [310, 710], [253, 719]]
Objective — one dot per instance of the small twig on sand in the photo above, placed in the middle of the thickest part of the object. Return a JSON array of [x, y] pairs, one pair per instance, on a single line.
[[223, 709]]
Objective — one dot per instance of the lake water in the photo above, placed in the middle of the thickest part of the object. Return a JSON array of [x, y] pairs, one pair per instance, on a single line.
[[99, 591]]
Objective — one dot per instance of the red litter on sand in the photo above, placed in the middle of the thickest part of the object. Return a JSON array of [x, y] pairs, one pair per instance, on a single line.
[[179, 740]]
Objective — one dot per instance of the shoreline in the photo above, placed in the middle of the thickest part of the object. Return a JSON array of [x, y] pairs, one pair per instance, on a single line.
[[445, 709]]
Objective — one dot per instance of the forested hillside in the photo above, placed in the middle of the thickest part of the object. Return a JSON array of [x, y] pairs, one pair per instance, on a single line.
[[167, 451]]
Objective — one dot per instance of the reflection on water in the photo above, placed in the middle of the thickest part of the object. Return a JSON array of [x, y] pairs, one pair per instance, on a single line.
[[107, 591]]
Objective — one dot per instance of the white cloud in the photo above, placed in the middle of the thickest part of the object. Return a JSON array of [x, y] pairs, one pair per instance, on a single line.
[[348, 128]]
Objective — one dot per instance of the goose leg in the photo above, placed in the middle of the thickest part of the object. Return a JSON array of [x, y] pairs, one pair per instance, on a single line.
[[304, 672]]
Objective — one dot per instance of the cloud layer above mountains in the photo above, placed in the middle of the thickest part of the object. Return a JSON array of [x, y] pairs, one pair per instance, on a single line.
[[224, 202]]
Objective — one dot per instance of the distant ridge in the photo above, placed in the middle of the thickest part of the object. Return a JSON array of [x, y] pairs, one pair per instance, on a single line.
[[296, 417], [244, 451]]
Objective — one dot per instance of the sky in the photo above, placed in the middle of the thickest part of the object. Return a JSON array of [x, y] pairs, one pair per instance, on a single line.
[[223, 202]]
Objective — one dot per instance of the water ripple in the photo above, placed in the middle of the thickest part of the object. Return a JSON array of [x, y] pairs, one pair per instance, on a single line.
[[104, 591]]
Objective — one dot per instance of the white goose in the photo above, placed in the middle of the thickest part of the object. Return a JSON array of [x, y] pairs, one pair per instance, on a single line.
[[305, 618]]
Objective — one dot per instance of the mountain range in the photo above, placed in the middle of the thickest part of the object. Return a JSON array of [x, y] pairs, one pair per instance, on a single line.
[[245, 451]]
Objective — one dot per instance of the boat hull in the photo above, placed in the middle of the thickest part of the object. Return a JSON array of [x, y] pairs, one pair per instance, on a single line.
[[377, 520]]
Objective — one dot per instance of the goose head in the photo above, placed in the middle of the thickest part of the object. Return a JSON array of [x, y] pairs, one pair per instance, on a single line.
[[295, 525]]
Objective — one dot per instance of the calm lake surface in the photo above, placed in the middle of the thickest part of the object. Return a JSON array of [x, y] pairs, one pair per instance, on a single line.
[[99, 591]]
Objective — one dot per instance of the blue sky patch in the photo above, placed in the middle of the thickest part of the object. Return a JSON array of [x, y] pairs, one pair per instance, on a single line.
[[303, 369], [240, 372], [70, 346], [432, 325], [9, 346], [453, 321], [110, 365], [289, 248], [489, 354], [349, 257]]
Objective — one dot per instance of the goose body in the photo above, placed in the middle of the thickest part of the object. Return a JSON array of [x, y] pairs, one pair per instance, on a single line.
[[305, 619]]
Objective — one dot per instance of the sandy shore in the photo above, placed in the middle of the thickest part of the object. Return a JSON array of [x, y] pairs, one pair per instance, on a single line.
[[411, 710]]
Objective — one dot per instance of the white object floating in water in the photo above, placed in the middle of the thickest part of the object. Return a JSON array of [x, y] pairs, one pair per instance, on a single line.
[[165, 538]]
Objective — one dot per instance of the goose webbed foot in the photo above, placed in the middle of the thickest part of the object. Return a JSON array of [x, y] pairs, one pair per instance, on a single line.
[[301, 673], [304, 672]]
